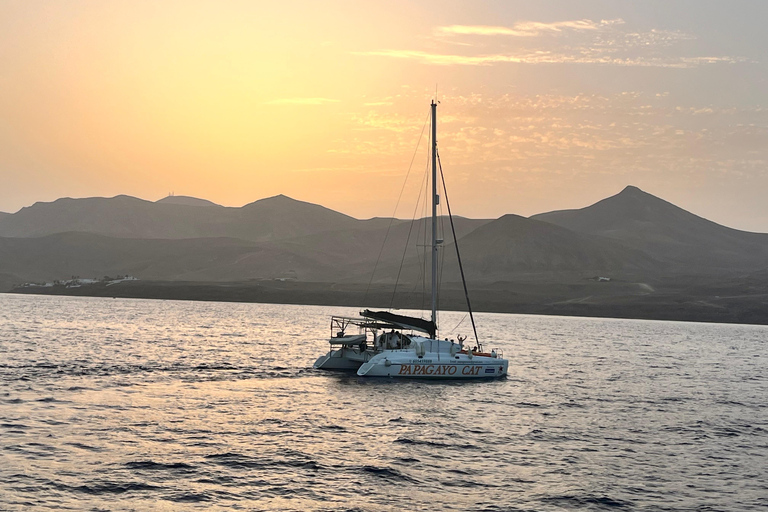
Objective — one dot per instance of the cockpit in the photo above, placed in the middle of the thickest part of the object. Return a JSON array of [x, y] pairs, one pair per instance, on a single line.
[[392, 340]]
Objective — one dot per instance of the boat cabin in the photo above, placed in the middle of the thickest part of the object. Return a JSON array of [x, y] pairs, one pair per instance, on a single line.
[[372, 334]]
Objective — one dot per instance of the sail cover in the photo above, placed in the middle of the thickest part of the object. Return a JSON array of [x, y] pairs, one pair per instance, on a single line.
[[405, 322]]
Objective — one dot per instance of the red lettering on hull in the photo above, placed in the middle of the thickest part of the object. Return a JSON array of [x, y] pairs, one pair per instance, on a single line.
[[436, 369], [470, 370]]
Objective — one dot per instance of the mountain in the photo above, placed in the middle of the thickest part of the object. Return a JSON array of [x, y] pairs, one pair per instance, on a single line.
[[663, 262], [63, 255], [336, 256], [516, 244], [632, 236], [266, 239], [129, 217], [186, 200], [121, 216], [513, 245], [374, 248], [281, 217], [668, 233]]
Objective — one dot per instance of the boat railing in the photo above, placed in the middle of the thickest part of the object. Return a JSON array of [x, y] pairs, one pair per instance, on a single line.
[[495, 353], [381, 334]]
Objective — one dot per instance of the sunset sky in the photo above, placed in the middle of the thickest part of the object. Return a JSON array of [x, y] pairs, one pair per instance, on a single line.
[[544, 105]]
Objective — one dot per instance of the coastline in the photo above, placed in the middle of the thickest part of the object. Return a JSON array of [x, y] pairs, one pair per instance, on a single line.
[[683, 300]]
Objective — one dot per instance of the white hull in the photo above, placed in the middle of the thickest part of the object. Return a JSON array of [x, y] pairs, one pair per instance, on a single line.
[[344, 359], [433, 359]]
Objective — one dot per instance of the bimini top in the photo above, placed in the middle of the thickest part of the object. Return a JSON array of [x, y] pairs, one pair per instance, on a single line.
[[402, 321]]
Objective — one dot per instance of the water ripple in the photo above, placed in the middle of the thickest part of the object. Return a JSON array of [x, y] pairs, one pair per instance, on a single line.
[[146, 405]]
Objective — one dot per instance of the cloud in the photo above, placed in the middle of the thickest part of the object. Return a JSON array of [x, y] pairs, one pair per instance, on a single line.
[[301, 101], [525, 28], [652, 38], [443, 59], [389, 122], [604, 42], [579, 134], [547, 57]]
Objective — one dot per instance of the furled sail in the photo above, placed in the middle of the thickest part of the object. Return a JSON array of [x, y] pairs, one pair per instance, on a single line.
[[405, 322]]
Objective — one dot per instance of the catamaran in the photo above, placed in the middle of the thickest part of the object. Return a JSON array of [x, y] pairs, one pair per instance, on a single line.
[[386, 344]]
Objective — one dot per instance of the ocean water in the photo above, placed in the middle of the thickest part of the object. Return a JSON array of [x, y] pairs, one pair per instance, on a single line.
[[112, 404]]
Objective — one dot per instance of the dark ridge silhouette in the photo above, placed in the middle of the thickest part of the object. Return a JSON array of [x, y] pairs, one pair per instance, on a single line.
[[348, 255], [510, 246], [665, 231], [358, 250], [186, 200], [63, 255], [130, 217], [645, 245], [281, 217], [632, 255], [515, 244]]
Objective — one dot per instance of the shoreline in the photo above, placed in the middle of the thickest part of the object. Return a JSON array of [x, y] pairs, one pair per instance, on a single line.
[[580, 299]]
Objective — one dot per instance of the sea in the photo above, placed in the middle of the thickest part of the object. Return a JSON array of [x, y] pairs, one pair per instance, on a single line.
[[122, 404]]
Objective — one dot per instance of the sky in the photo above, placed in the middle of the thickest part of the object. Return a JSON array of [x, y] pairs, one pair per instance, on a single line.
[[543, 105]]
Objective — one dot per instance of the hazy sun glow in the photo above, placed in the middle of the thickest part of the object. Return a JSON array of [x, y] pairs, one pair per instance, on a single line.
[[542, 106]]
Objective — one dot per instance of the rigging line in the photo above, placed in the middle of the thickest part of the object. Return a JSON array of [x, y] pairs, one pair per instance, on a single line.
[[418, 259], [405, 250], [392, 219], [424, 224], [421, 264], [420, 278], [458, 255], [441, 267], [459, 324]]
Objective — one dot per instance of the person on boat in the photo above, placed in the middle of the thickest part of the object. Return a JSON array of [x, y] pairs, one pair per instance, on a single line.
[[382, 341], [394, 339]]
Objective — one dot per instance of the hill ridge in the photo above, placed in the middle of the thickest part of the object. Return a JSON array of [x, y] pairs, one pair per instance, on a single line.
[[644, 221], [632, 232]]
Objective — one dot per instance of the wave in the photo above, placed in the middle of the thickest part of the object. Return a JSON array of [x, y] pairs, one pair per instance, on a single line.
[[189, 497], [83, 446], [186, 373], [435, 444], [388, 473], [588, 500], [99, 488], [238, 461], [14, 426], [151, 465]]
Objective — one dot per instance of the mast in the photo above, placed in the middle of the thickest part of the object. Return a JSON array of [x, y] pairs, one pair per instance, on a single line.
[[435, 201]]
